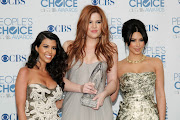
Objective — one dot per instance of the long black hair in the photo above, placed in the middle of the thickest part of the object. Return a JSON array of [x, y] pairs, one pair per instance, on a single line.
[[58, 66]]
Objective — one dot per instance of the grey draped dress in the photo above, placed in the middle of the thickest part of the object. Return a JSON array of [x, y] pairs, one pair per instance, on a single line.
[[72, 108]]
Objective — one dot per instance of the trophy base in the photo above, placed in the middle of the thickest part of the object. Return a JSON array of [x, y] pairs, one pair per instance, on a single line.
[[88, 102]]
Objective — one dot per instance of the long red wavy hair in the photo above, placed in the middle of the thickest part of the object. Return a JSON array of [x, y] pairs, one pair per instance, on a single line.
[[76, 50]]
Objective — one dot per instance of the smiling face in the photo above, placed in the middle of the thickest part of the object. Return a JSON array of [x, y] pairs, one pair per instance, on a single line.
[[137, 44], [46, 50], [94, 27]]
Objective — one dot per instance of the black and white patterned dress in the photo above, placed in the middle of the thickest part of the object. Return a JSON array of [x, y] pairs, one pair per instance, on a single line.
[[41, 102]]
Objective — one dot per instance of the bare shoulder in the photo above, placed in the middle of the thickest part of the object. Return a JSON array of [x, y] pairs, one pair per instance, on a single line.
[[121, 63], [24, 71], [121, 67], [66, 44], [23, 75], [156, 62]]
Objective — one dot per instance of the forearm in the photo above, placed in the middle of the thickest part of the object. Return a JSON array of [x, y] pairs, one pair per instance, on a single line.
[[161, 104], [72, 87], [59, 103], [110, 88], [21, 114], [115, 94]]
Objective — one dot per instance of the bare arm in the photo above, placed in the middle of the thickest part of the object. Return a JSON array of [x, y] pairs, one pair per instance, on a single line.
[[111, 83], [112, 78], [115, 94], [59, 103], [119, 73], [20, 92], [66, 44], [73, 87], [160, 94]]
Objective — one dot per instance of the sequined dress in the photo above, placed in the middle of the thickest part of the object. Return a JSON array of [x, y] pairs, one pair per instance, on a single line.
[[137, 91], [72, 108], [41, 102]]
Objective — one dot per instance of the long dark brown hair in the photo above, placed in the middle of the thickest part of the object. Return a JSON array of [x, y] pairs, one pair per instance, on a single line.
[[58, 66], [76, 50]]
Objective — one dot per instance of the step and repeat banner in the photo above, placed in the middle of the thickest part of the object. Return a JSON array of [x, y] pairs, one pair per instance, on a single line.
[[22, 20]]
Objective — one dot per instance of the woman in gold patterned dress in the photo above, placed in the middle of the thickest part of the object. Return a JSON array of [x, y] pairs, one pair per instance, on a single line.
[[139, 76], [40, 83]]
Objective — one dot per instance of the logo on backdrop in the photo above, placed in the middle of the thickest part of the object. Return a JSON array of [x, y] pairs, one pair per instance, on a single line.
[[177, 83], [59, 28], [59, 6], [14, 58], [7, 86], [60, 114], [115, 27], [12, 2], [11, 116], [103, 2], [115, 114], [176, 27], [16, 28], [146, 5], [166, 116], [152, 28], [158, 52]]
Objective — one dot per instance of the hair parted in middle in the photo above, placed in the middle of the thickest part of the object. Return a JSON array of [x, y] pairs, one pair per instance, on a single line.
[[76, 50], [131, 26]]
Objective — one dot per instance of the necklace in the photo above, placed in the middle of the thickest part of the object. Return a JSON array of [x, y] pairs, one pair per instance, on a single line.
[[137, 61]]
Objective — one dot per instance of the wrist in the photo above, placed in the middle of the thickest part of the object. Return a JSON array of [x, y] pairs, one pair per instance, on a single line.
[[105, 93], [81, 88]]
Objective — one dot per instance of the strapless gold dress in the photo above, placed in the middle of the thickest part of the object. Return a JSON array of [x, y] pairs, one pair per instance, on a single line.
[[137, 91]]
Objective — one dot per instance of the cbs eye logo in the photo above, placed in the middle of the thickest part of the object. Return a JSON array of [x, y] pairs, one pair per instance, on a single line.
[[5, 117], [95, 2], [4, 2], [4, 58], [50, 28]]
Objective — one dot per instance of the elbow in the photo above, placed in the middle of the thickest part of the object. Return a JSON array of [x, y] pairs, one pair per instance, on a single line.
[[115, 85], [113, 99], [160, 95], [114, 96]]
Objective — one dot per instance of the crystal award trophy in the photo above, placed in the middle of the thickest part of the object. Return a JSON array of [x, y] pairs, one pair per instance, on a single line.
[[96, 78]]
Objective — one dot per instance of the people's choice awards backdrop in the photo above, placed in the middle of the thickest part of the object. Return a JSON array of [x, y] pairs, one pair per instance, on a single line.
[[22, 20]]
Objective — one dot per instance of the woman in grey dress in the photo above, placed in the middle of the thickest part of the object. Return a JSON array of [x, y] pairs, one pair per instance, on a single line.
[[90, 48], [140, 77], [40, 83]]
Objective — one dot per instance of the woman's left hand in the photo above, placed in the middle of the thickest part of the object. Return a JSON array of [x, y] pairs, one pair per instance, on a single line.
[[100, 100]]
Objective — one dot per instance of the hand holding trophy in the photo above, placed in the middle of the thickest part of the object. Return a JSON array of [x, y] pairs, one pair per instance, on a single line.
[[96, 78]]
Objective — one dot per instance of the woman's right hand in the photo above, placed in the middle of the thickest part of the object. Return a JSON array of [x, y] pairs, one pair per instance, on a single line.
[[88, 88]]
